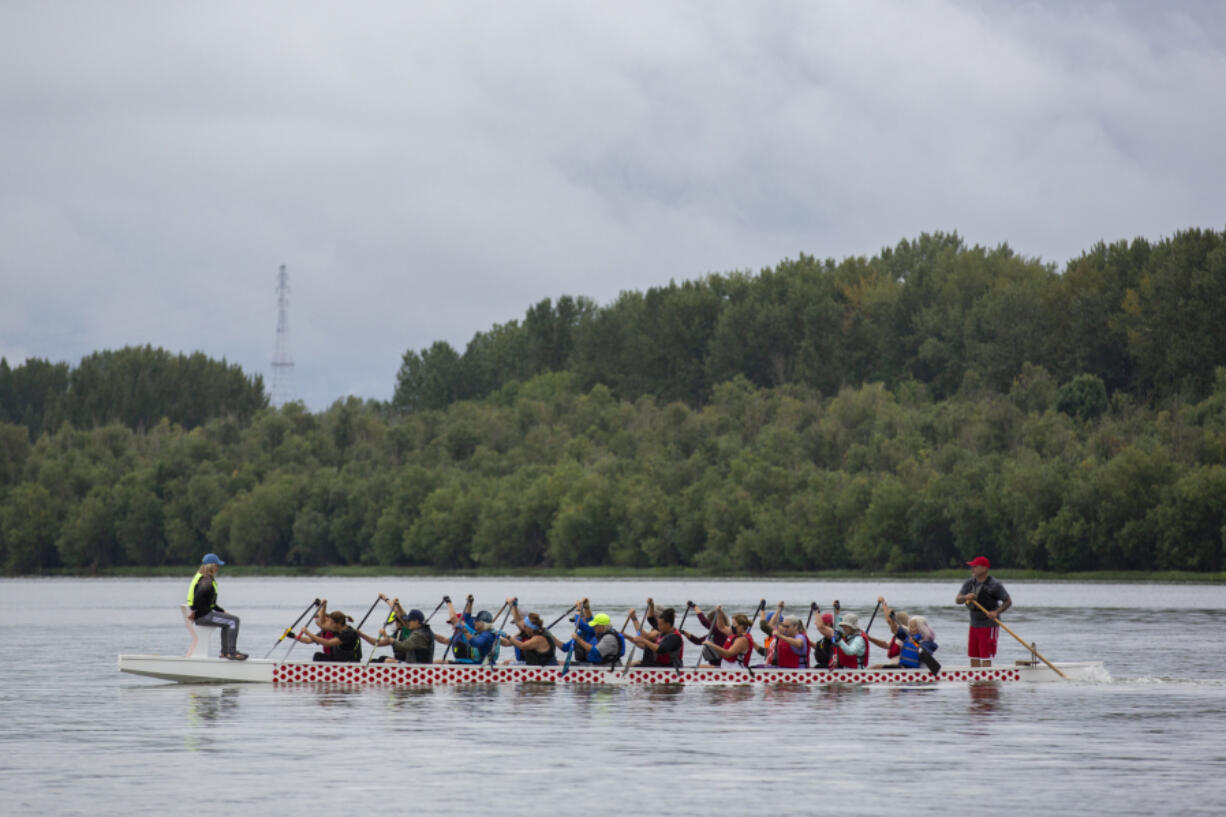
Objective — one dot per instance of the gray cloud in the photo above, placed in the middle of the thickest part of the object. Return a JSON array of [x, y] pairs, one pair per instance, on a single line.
[[427, 171]]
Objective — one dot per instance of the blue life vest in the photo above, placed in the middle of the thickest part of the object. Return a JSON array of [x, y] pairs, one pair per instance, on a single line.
[[909, 655]]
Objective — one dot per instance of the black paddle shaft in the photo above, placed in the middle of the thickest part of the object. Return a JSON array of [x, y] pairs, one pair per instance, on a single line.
[[291, 627], [872, 617], [559, 618], [436, 609], [368, 612]]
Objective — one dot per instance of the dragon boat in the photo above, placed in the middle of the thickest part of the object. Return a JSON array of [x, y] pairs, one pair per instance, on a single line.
[[199, 666], [197, 670]]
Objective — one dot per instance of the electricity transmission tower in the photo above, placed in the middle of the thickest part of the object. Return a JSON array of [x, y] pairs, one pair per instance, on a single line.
[[282, 362]]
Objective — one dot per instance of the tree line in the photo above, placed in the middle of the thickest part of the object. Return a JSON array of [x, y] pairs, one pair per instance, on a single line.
[[987, 429], [1142, 317], [547, 474], [136, 387]]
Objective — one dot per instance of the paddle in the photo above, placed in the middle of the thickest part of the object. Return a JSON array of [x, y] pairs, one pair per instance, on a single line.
[[290, 630], [808, 621], [712, 630], [391, 619], [633, 647], [570, 652], [369, 610], [548, 628], [928, 659], [614, 665], [761, 609], [553, 623], [1028, 647], [689, 605], [436, 609], [559, 618], [491, 657], [319, 609], [872, 618]]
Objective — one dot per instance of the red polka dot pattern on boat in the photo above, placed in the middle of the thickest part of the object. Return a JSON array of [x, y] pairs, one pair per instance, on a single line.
[[446, 674]]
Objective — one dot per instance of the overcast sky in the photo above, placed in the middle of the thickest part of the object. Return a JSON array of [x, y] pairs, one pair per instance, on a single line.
[[426, 170]]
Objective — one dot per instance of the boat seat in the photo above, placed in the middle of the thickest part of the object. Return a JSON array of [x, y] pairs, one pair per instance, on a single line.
[[200, 647]]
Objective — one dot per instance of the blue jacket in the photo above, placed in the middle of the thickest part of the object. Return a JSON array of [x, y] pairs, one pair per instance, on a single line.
[[481, 642]]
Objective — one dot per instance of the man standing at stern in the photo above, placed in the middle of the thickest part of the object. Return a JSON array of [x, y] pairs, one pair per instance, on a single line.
[[991, 594]]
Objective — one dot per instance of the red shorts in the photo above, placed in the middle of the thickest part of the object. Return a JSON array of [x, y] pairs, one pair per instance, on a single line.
[[982, 642]]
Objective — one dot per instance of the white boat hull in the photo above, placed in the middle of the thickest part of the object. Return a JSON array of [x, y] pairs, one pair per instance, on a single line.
[[220, 670]]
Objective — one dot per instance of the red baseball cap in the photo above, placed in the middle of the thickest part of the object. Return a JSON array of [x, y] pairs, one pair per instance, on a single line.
[[979, 561]]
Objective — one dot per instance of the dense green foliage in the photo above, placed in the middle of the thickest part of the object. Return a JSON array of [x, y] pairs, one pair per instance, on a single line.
[[545, 474], [1144, 318], [897, 413], [136, 387]]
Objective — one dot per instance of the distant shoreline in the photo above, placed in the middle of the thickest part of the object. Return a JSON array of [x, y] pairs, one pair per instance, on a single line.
[[612, 573]]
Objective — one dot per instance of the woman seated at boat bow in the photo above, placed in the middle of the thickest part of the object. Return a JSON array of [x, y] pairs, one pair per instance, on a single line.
[[202, 598]]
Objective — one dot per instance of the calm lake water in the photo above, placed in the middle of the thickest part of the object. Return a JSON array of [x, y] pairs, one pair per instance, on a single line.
[[78, 737]]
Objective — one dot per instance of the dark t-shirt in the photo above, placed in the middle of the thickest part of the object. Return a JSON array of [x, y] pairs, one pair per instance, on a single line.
[[348, 649], [667, 646], [991, 594]]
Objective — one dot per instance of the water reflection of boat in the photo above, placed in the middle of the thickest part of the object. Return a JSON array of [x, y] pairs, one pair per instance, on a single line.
[[220, 670]]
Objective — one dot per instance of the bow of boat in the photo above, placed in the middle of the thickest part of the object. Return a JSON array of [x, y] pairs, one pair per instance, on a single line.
[[198, 670]]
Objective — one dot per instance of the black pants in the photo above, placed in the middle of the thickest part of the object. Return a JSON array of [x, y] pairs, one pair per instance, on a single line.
[[229, 628]]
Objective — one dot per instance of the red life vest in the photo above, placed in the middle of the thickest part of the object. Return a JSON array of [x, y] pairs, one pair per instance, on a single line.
[[787, 655], [666, 660], [845, 661], [324, 647], [743, 658]]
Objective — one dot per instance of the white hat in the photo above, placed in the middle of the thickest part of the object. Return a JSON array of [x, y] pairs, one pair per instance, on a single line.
[[850, 620]]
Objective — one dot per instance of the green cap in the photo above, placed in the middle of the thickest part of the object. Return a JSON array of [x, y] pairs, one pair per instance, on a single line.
[[599, 620]]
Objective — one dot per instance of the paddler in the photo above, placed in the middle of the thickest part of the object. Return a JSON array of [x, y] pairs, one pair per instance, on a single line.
[[991, 594], [202, 597], [662, 641], [717, 630], [412, 640], [535, 645], [850, 644], [474, 636], [455, 647], [337, 637], [733, 644], [912, 633], [605, 645], [791, 642], [823, 648]]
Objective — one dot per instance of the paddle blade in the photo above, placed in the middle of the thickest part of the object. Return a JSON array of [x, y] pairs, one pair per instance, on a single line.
[[930, 661], [570, 652]]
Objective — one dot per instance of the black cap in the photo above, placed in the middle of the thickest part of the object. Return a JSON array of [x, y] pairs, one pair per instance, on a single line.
[[416, 615]]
